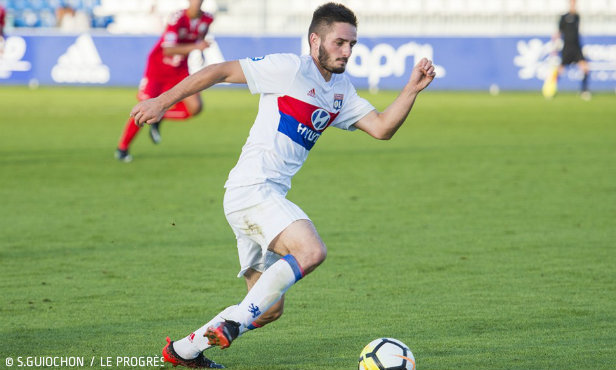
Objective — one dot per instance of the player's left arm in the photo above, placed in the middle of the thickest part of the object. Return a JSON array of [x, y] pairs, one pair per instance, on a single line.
[[383, 125], [185, 49]]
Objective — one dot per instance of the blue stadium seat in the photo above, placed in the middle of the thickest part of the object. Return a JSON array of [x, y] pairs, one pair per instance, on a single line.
[[37, 5], [101, 21], [19, 4], [27, 18], [48, 18], [53, 4], [75, 4], [89, 4]]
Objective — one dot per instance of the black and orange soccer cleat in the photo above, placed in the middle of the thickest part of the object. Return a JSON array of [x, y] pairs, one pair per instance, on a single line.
[[199, 362], [223, 333]]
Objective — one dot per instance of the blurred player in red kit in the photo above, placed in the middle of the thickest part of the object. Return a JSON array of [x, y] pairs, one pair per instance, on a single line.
[[166, 66], [2, 20]]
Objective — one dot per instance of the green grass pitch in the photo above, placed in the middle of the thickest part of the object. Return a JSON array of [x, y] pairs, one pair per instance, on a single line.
[[482, 235]]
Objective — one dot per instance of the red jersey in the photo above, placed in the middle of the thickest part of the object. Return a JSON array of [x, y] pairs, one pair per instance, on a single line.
[[181, 29], [2, 16]]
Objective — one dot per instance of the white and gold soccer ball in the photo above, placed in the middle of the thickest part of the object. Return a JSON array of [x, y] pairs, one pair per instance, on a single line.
[[386, 354]]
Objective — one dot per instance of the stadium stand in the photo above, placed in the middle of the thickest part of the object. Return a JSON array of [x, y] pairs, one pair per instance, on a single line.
[[45, 13], [284, 17]]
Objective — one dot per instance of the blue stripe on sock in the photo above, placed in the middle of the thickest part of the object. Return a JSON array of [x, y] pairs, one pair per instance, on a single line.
[[294, 266]]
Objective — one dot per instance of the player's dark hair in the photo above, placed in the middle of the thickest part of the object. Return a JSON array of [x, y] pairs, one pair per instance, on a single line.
[[327, 14]]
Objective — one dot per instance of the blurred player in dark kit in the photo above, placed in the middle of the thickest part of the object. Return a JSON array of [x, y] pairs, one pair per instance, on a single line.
[[569, 31]]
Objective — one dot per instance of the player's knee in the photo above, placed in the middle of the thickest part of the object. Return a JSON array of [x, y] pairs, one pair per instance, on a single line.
[[196, 109], [313, 257], [320, 254], [192, 106]]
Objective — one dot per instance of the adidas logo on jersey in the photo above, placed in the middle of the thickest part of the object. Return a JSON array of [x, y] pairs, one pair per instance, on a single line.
[[312, 93], [81, 64]]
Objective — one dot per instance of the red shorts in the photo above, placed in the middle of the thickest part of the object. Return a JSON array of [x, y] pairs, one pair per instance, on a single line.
[[152, 87]]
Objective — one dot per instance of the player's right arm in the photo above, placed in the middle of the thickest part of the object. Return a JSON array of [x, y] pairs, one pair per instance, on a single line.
[[557, 41], [152, 110], [185, 49], [557, 36]]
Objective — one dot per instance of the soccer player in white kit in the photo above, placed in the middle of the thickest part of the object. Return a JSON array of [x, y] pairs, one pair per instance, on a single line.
[[300, 98]]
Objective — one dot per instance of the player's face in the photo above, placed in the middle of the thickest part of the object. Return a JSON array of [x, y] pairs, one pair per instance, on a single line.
[[336, 45], [195, 4]]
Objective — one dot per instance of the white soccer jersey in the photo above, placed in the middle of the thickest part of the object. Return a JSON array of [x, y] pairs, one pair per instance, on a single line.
[[295, 108]]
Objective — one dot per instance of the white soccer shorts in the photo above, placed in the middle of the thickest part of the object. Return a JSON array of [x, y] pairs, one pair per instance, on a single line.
[[258, 224]]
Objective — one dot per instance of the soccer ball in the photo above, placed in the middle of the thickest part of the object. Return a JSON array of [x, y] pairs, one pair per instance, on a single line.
[[386, 354]]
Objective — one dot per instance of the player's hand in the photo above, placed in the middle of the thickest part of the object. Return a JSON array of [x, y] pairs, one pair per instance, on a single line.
[[147, 112], [202, 44], [423, 73]]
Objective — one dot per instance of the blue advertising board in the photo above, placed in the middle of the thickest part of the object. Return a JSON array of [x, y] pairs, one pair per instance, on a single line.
[[462, 63]]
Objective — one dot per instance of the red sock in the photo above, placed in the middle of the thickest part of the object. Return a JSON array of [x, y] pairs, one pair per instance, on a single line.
[[130, 130], [178, 111]]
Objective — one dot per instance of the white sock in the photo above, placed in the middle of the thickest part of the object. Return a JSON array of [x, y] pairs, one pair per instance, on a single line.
[[272, 284], [195, 343]]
